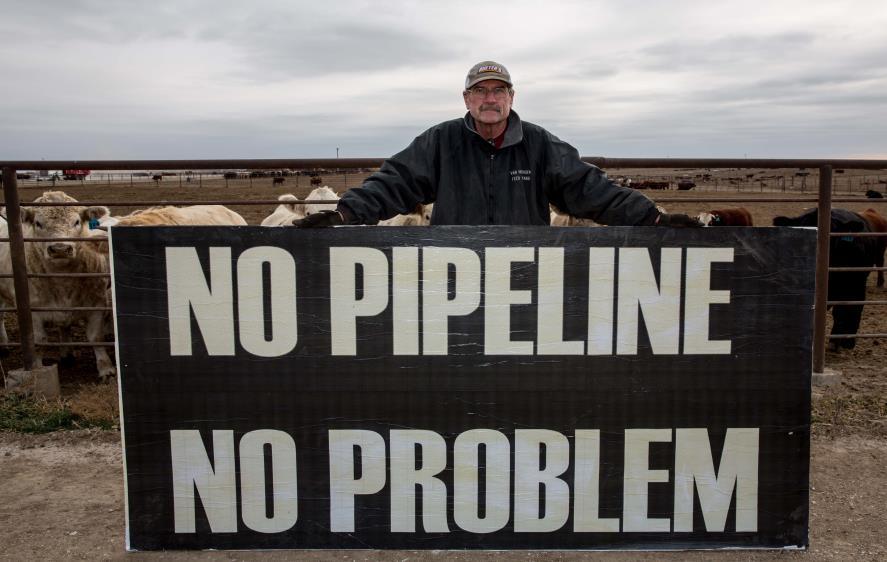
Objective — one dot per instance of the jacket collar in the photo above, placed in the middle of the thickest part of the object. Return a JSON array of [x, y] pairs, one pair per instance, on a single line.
[[514, 134]]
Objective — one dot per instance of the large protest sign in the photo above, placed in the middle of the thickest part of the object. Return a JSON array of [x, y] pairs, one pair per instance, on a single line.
[[464, 387]]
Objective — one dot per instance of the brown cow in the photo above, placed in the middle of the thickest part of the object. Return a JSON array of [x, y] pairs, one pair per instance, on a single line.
[[877, 223], [738, 216]]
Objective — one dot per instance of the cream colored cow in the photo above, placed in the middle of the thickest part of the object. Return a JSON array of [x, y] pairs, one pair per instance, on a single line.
[[286, 212], [62, 257], [561, 219], [195, 215], [421, 216], [324, 193]]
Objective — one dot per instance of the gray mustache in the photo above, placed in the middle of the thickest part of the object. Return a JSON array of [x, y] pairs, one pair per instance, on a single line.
[[491, 107]]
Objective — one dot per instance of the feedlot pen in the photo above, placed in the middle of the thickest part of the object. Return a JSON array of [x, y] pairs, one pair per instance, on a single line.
[[762, 186]]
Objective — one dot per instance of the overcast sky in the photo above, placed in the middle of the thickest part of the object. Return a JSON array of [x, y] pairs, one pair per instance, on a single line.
[[114, 79]]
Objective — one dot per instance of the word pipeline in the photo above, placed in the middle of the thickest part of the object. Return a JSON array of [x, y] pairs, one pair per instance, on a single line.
[[425, 289]]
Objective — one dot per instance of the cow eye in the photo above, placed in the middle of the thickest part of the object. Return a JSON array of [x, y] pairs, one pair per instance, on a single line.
[[77, 222], [38, 224]]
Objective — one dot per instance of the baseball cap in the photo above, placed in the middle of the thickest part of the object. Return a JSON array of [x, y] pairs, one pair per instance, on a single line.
[[487, 70]]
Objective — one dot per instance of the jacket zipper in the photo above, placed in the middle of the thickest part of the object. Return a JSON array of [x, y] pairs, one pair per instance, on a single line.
[[490, 190]]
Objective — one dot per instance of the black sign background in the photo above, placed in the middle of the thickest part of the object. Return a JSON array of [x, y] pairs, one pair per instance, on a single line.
[[763, 383]]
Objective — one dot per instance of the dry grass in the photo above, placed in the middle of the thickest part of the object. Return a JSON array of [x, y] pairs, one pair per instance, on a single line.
[[96, 404], [838, 412]]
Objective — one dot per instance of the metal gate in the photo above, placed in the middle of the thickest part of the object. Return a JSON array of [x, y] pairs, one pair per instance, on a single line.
[[824, 201]]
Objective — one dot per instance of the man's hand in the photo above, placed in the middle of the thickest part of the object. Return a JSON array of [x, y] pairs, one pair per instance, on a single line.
[[678, 220], [319, 220]]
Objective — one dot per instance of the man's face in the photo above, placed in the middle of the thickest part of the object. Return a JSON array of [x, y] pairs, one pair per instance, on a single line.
[[489, 102]]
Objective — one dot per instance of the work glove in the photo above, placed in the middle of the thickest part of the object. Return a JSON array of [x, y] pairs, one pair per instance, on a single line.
[[320, 220], [678, 220]]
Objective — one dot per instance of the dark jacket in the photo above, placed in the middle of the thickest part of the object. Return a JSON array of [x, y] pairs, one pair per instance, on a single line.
[[471, 182]]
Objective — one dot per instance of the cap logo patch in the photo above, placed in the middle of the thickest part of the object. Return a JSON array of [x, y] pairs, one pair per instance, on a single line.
[[490, 68]]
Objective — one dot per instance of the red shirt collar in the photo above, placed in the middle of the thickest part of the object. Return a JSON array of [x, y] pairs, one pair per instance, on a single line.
[[497, 142]]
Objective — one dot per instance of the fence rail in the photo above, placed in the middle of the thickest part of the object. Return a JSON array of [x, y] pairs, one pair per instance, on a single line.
[[353, 163], [17, 242], [260, 202]]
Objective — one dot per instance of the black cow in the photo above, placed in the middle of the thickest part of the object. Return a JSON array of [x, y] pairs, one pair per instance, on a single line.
[[872, 194], [844, 251]]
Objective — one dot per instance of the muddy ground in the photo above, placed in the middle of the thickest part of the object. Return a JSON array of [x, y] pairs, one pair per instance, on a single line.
[[62, 493]]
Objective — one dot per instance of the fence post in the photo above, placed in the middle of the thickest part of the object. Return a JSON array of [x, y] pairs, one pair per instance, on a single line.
[[19, 268], [822, 256]]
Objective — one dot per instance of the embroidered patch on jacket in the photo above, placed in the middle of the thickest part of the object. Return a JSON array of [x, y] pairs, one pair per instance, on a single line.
[[521, 175]]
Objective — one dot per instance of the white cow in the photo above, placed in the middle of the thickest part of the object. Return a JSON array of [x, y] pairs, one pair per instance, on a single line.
[[428, 212], [195, 215], [63, 257], [324, 193], [561, 219], [558, 218], [286, 212], [421, 216]]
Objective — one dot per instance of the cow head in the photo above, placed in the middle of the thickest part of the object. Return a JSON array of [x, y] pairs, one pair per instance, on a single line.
[[427, 211], [287, 200], [324, 193], [58, 222], [707, 219]]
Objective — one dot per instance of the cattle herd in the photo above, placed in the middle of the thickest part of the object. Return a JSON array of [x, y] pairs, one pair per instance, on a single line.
[[91, 255]]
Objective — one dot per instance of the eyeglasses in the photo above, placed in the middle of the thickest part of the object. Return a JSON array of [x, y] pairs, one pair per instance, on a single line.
[[499, 92]]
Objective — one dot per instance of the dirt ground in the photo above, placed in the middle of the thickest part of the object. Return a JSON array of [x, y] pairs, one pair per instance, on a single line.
[[62, 493], [62, 499]]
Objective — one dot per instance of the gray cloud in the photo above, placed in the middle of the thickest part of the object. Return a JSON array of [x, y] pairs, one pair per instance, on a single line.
[[266, 42], [691, 53], [203, 79], [270, 51], [99, 21]]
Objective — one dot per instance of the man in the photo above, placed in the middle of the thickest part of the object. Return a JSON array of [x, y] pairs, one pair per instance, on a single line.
[[491, 168]]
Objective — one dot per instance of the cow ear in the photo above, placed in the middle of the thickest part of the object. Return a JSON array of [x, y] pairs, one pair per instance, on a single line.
[[27, 215], [96, 213]]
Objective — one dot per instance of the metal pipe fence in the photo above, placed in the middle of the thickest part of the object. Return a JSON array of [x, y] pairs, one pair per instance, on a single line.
[[824, 200]]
